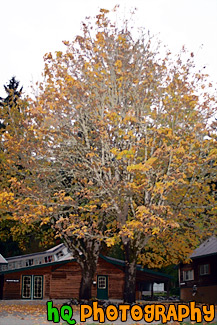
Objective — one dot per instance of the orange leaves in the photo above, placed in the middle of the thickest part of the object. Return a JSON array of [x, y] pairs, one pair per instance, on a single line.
[[48, 56], [6, 199], [110, 241], [59, 54], [105, 11], [66, 43], [118, 64], [139, 168], [100, 39], [125, 154]]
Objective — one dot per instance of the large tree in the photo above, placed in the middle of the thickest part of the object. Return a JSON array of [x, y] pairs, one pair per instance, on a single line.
[[123, 148]]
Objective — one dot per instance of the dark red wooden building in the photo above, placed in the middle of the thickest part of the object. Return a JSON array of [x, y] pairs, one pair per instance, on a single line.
[[55, 274], [198, 280]]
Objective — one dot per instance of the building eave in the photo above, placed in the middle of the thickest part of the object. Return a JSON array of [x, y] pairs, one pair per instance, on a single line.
[[138, 267], [38, 266]]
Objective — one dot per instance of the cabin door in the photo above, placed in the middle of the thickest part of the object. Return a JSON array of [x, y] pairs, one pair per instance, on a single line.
[[32, 287], [102, 287]]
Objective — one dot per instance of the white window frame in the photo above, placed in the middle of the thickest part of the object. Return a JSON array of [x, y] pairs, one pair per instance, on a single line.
[[188, 275], [204, 269], [101, 282]]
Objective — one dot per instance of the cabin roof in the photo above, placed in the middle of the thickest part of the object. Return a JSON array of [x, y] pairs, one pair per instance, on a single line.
[[209, 247], [3, 260], [68, 257], [116, 261], [47, 252]]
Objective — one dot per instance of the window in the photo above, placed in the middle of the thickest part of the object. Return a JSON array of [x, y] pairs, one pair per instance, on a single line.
[[29, 262], [4, 267], [37, 287], [188, 275], [101, 282], [32, 287], [11, 265], [48, 259], [204, 269], [60, 254], [26, 286], [19, 264]]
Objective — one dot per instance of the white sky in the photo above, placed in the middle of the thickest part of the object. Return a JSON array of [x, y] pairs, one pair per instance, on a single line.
[[31, 28]]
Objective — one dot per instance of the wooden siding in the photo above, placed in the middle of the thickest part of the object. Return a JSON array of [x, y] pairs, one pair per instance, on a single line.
[[115, 279], [206, 294], [206, 284], [12, 290], [62, 281], [65, 281], [68, 286], [201, 280]]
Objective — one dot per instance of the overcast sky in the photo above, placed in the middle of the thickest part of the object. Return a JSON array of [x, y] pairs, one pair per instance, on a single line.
[[31, 28]]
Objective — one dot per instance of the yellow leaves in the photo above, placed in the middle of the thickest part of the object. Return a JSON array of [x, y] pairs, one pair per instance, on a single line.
[[119, 81], [90, 154], [155, 230], [104, 205], [70, 80], [105, 11], [151, 161], [48, 56], [45, 221], [80, 39], [138, 167], [142, 211], [59, 54], [121, 38], [110, 241], [125, 154], [180, 150], [66, 43], [213, 152], [114, 151], [100, 38], [6, 198], [126, 232], [118, 63], [142, 167], [130, 118], [112, 116]]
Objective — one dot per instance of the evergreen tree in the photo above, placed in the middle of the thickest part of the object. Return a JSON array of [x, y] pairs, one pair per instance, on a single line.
[[10, 102]]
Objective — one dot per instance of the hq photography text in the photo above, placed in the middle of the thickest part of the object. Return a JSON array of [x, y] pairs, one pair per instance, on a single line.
[[149, 313]]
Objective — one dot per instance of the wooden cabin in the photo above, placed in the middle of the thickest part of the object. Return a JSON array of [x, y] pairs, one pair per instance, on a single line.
[[55, 274], [198, 279]]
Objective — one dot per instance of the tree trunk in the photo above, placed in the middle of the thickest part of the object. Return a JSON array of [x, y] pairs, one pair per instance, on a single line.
[[86, 252], [88, 271], [88, 262], [130, 274]]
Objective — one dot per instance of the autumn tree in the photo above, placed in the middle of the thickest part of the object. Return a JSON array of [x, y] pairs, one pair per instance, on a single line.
[[123, 149]]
